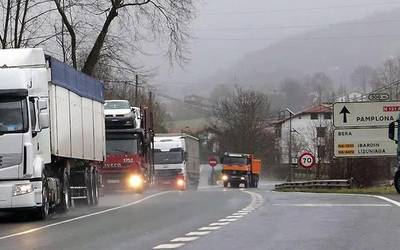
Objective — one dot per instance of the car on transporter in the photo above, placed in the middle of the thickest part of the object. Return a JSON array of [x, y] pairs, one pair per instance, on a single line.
[[119, 113]]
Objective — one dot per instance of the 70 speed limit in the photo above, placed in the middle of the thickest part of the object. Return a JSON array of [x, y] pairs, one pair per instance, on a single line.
[[307, 160]]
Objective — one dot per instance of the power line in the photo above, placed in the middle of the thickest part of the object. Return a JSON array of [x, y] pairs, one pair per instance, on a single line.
[[301, 9], [304, 39], [298, 26]]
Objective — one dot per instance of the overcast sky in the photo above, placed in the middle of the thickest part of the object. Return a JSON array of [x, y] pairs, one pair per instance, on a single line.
[[226, 30]]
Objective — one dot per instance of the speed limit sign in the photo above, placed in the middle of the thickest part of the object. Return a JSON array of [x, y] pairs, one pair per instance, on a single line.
[[307, 160]]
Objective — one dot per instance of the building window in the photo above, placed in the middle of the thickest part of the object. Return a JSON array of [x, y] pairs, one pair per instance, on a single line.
[[321, 131], [278, 132], [327, 116], [314, 116]]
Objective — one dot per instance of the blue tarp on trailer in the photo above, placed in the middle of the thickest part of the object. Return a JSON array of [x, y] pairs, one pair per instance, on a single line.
[[81, 84]]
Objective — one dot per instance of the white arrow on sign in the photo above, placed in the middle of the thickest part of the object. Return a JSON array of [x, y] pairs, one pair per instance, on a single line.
[[365, 114]]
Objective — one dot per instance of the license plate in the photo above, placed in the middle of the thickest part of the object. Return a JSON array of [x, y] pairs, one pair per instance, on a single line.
[[113, 181], [166, 182]]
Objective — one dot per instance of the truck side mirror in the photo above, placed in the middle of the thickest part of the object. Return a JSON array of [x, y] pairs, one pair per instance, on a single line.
[[44, 120], [42, 104], [391, 132]]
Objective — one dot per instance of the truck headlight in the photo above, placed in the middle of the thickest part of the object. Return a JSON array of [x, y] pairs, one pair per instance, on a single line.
[[224, 177], [242, 178], [20, 189], [135, 181], [180, 182]]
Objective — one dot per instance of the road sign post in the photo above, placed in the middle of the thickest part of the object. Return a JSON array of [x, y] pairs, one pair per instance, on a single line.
[[212, 161]]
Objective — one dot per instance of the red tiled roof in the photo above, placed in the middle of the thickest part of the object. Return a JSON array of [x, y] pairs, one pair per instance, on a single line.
[[322, 108]]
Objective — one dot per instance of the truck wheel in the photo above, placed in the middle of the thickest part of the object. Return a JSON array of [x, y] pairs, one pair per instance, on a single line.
[[66, 191], [42, 213], [397, 181], [88, 185], [95, 188]]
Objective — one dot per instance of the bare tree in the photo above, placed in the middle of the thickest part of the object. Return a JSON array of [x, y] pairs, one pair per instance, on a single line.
[[22, 23], [363, 77], [241, 123], [140, 19], [321, 84]]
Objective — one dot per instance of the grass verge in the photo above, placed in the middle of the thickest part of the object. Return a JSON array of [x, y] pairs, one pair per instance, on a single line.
[[382, 190]]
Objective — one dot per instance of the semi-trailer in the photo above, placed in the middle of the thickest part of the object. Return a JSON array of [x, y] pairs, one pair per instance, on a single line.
[[52, 133]]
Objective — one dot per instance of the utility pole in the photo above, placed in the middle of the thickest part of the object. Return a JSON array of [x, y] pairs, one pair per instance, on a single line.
[[291, 177], [136, 89], [151, 133]]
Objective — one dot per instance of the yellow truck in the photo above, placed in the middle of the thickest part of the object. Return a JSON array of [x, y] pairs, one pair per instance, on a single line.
[[240, 168]]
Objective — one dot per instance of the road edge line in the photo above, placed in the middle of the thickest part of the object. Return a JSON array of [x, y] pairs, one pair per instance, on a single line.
[[83, 216], [396, 203]]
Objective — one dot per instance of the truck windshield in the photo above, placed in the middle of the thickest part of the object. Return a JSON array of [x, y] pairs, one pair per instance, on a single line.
[[116, 105], [168, 157], [235, 160], [121, 146], [13, 115]]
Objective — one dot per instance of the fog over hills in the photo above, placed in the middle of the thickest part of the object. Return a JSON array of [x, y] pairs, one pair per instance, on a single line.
[[336, 50]]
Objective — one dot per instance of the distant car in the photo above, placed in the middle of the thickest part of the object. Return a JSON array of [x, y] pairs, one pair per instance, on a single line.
[[118, 113]]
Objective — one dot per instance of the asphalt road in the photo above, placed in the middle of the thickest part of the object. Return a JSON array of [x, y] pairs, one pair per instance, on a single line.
[[214, 218]]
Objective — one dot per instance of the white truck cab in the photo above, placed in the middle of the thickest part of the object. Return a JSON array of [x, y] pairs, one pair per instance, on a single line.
[[177, 160]]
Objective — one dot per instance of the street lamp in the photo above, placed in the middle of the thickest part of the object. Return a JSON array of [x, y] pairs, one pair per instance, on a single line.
[[291, 113]]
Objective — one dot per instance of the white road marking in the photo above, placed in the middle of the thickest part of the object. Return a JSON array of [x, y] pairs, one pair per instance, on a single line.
[[82, 217], [234, 216], [198, 233], [240, 213], [169, 246], [219, 224], [333, 205], [184, 239], [396, 203], [256, 201], [230, 220], [209, 228]]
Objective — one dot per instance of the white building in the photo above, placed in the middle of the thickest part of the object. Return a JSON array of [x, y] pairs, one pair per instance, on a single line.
[[309, 131]]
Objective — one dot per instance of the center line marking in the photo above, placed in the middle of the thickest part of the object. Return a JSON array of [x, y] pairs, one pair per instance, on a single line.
[[169, 246], [184, 239], [82, 217], [198, 233], [209, 228], [224, 220], [240, 213], [219, 223], [234, 216]]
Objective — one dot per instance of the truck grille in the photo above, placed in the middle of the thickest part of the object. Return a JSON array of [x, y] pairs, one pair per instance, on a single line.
[[167, 173], [8, 160]]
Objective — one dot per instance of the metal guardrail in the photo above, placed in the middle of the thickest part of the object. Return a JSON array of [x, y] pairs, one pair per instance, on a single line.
[[315, 184]]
